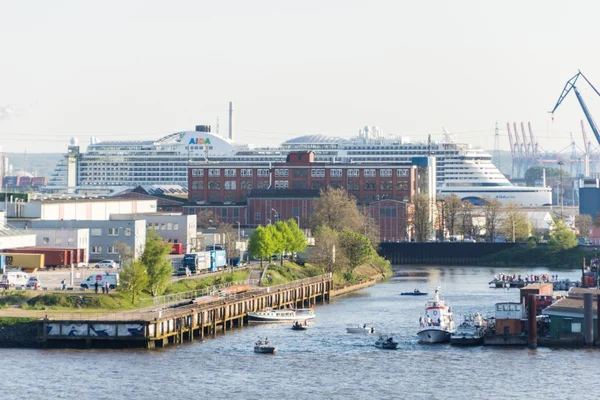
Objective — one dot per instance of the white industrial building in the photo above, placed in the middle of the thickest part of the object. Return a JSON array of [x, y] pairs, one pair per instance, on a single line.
[[75, 209], [174, 227], [73, 238]]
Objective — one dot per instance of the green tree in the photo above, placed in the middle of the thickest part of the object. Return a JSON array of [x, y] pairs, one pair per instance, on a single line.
[[535, 174], [279, 238], [561, 238], [515, 225], [356, 247], [155, 260], [133, 279], [296, 241], [260, 244]]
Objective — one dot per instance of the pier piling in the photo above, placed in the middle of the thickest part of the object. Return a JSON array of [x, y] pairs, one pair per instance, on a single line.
[[532, 320], [588, 318]]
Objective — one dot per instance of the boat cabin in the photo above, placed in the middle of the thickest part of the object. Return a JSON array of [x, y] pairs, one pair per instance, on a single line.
[[509, 318]]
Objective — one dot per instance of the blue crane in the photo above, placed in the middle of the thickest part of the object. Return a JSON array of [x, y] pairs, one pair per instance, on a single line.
[[571, 85]]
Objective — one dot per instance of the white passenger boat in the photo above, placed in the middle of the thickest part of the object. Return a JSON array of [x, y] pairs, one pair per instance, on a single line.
[[437, 325], [283, 315], [364, 328]]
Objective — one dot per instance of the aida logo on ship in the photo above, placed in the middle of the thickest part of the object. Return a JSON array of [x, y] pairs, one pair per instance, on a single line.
[[199, 141]]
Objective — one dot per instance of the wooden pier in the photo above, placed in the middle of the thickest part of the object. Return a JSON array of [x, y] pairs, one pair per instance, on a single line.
[[195, 320]]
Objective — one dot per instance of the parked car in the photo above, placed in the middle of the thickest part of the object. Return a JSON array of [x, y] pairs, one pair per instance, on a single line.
[[33, 280], [106, 264], [183, 271]]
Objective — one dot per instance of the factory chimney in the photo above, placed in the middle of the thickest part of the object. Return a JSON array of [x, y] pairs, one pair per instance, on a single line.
[[230, 136]]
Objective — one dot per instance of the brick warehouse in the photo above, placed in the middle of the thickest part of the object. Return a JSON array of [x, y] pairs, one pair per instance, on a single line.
[[261, 193]]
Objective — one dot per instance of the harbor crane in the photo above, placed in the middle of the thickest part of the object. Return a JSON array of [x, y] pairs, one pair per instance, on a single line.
[[571, 85]]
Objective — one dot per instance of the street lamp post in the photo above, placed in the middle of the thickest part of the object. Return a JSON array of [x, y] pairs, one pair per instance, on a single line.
[[298, 218], [562, 199], [238, 222], [276, 214]]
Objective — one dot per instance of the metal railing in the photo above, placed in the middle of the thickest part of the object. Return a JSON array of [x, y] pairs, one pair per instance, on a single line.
[[208, 291]]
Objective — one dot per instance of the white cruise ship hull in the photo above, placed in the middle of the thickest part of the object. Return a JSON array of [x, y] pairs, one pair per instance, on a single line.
[[521, 195], [431, 335]]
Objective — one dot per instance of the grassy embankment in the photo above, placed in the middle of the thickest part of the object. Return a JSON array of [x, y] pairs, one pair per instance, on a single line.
[[538, 257], [277, 274], [115, 301]]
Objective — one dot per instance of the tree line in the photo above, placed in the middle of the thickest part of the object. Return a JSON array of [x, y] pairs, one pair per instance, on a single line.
[[279, 239], [448, 217]]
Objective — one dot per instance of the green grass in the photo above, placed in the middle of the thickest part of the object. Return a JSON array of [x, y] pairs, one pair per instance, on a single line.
[[120, 301], [278, 275], [187, 285], [11, 298], [10, 321], [59, 301]]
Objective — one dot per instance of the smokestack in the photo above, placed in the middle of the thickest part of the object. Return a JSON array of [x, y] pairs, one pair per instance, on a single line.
[[230, 136]]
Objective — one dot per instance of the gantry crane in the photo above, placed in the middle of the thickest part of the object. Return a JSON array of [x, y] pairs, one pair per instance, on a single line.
[[571, 85]]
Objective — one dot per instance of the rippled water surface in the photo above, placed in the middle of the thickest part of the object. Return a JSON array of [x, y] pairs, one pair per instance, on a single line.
[[323, 362]]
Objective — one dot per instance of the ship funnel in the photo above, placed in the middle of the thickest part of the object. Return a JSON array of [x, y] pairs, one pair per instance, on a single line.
[[230, 135]]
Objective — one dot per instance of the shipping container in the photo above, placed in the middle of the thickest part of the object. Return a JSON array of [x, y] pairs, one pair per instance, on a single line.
[[29, 262], [52, 257], [176, 248]]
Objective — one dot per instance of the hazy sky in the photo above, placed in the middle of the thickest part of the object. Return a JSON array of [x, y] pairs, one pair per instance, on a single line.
[[142, 69]]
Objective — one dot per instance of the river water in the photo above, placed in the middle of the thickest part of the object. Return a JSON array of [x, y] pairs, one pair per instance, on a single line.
[[324, 362]]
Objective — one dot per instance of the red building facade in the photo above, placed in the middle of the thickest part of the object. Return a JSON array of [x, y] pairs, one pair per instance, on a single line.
[[231, 183]]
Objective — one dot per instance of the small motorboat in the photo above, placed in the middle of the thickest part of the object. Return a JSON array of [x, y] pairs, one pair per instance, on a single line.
[[297, 326], [415, 292], [264, 346], [470, 331], [364, 328], [386, 342]]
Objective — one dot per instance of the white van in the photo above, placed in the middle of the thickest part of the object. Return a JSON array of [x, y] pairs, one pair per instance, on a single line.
[[90, 281], [14, 278]]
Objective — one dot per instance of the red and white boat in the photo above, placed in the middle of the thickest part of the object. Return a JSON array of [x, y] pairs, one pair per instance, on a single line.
[[437, 326]]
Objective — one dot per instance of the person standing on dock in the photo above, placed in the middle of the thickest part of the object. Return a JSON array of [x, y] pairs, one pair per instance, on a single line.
[[106, 287], [96, 286]]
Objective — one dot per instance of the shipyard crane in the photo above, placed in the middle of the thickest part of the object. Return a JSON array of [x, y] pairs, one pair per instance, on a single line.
[[512, 148], [571, 85]]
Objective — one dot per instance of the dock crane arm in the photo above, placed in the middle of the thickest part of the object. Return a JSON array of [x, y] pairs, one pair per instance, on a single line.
[[571, 85]]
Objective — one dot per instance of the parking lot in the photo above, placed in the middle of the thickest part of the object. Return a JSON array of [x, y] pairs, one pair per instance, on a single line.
[[51, 279]]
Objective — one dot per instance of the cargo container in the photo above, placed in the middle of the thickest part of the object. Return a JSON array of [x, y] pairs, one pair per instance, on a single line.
[[27, 261], [176, 248], [53, 257], [218, 260]]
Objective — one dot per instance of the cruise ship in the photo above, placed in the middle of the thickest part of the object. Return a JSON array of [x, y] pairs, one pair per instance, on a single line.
[[461, 169]]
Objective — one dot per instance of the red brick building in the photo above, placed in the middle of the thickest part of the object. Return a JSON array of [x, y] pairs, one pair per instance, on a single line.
[[231, 183], [261, 193]]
